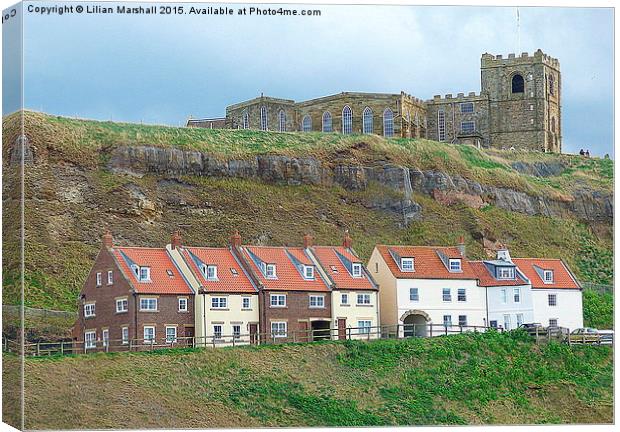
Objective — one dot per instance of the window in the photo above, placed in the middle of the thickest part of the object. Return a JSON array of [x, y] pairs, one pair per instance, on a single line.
[[89, 310], [518, 85], [145, 274], [406, 264], [121, 305], [455, 265], [347, 120], [551, 84], [553, 322], [277, 300], [327, 122], [504, 295], [270, 271], [441, 125], [308, 272], [282, 121], [507, 322], [278, 329], [263, 118], [234, 271], [548, 276], [461, 295], [356, 270], [493, 324], [210, 272], [110, 277], [245, 119], [182, 304], [363, 299], [517, 295], [505, 273], [171, 334], [344, 299], [149, 334], [148, 304], [467, 107], [217, 331], [367, 121], [236, 331], [364, 326], [447, 295], [519, 320], [125, 335], [388, 123], [468, 127], [219, 302], [447, 320], [317, 301], [98, 277], [462, 320], [553, 124], [553, 300], [90, 339], [105, 337], [246, 303], [306, 124], [414, 295]]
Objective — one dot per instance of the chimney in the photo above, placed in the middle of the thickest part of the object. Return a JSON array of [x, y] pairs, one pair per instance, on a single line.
[[461, 246], [235, 240], [107, 239], [176, 240], [307, 241], [347, 242], [503, 254]]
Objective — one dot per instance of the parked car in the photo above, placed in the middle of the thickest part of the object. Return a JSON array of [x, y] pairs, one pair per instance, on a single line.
[[532, 328], [586, 335], [607, 337]]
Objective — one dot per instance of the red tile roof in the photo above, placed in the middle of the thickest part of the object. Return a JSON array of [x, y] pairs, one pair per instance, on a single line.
[[485, 278], [223, 258], [288, 277], [562, 276], [160, 264], [427, 264], [328, 258]]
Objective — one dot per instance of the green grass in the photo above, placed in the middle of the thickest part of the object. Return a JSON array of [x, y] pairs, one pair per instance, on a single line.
[[461, 379], [598, 309]]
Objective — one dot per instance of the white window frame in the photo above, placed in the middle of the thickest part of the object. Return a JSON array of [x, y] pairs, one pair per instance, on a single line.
[[249, 302], [504, 295], [110, 277], [124, 305], [468, 109], [555, 300], [471, 129], [519, 319], [270, 271], [148, 301], [183, 300], [407, 260], [209, 271], [446, 293], [306, 123], [277, 297], [318, 300], [356, 270], [412, 297], [388, 123], [516, 294], [148, 340], [364, 326], [281, 121], [344, 299], [105, 337], [90, 339], [441, 125], [308, 272], [367, 126], [461, 292], [505, 273], [279, 333], [507, 322], [89, 310], [548, 280], [245, 119], [220, 302], [124, 335], [236, 331], [264, 125], [171, 339], [553, 322], [326, 122], [347, 120], [145, 274], [98, 281], [218, 331], [455, 265], [363, 297], [447, 322]]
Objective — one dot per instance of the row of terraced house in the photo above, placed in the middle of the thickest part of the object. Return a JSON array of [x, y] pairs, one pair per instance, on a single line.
[[254, 294]]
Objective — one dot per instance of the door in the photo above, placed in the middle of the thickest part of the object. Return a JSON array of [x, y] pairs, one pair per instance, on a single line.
[[342, 328], [253, 333], [189, 336]]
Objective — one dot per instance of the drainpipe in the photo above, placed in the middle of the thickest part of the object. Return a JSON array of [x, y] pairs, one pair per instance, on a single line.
[[486, 294], [204, 315], [135, 315]]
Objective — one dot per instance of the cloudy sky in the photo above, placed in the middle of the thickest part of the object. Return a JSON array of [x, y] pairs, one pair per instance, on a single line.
[[161, 69]]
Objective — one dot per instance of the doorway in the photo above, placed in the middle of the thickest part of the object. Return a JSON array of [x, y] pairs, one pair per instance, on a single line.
[[320, 330]]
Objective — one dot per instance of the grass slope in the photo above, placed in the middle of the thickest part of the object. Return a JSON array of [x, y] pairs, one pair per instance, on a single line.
[[463, 379]]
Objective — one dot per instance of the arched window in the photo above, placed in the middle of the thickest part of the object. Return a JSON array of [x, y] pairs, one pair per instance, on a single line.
[[327, 122], [282, 121], [388, 123], [347, 120], [263, 118], [518, 85], [441, 125], [551, 84], [408, 124], [367, 121], [306, 123], [245, 119]]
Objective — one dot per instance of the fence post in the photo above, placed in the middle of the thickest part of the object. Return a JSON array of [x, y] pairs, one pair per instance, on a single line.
[[461, 328], [38, 348], [431, 326], [548, 335], [537, 335], [62, 348]]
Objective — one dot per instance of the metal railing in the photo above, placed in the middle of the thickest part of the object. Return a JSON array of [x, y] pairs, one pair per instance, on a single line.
[[600, 288]]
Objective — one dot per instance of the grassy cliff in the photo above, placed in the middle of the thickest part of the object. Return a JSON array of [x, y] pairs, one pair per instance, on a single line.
[[463, 379]]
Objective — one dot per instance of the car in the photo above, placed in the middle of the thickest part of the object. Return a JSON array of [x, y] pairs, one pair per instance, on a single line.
[[585, 335], [607, 337], [533, 328]]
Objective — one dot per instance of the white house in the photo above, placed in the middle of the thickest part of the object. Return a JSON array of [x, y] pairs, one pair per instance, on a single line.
[[556, 294], [508, 292], [422, 285]]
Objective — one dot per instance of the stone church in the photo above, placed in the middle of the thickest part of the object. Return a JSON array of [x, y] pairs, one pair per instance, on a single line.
[[518, 107]]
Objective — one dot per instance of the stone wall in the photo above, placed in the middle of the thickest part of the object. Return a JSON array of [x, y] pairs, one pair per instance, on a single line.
[[234, 114], [454, 116]]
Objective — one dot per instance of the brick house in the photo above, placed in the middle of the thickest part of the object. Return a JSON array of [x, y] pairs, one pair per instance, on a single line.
[[133, 295]]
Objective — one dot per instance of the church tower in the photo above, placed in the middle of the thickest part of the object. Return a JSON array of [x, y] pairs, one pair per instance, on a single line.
[[524, 101]]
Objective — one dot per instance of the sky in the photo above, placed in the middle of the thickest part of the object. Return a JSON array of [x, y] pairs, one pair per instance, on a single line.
[[163, 68]]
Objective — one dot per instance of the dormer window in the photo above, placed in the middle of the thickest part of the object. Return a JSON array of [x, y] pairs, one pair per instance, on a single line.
[[308, 272], [210, 272], [356, 270], [548, 276], [406, 264], [144, 274], [505, 273], [270, 271], [455, 265]]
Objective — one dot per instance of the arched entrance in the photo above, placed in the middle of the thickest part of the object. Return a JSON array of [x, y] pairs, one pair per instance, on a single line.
[[415, 323]]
